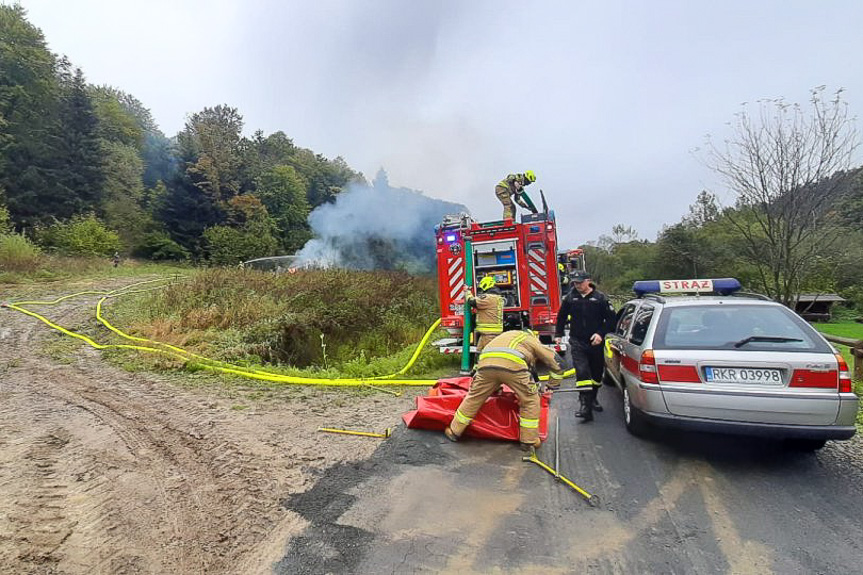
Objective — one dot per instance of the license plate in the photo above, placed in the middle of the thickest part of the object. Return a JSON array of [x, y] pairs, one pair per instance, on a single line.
[[743, 375]]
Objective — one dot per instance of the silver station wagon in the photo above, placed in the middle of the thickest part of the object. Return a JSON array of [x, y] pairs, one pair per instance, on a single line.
[[713, 359]]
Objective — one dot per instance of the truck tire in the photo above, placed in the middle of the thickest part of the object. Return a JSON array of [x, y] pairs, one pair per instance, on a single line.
[[635, 422]]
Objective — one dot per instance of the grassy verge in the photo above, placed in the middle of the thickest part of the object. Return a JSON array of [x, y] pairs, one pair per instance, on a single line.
[[323, 323], [59, 268]]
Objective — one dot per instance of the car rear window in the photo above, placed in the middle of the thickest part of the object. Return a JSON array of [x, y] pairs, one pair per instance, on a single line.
[[723, 326]]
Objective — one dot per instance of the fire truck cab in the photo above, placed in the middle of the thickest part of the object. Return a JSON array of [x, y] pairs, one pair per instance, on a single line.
[[522, 258]]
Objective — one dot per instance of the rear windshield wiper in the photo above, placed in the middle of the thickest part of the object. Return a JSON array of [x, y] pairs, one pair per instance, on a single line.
[[770, 338]]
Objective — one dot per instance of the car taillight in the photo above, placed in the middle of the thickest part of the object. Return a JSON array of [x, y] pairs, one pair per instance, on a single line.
[[647, 367], [844, 375], [810, 378], [679, 373]]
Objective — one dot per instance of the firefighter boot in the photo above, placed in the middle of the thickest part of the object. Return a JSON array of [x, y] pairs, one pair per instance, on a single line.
[[596, 406], [586, 411], [582, 408], [449, 434]]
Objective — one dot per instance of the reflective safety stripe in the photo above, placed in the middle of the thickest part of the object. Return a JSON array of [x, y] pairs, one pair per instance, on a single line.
[[464, 420], [585, 383], [553, 375], [529, 423], [508, 350], [503, 355], [489, 327], [517, 340]]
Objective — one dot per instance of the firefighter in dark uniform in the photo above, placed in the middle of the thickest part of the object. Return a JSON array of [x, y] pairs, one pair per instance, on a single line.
[[590, 316], [512, 186], [509, 359], [489, 311]]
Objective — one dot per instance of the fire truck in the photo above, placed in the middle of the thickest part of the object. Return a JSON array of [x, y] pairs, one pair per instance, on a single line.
[[521, 257]]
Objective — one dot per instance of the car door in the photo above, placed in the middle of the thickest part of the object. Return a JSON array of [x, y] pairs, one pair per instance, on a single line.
[[614, 340]]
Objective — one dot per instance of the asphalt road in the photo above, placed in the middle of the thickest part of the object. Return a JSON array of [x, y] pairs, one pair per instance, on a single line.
[[673, 503]]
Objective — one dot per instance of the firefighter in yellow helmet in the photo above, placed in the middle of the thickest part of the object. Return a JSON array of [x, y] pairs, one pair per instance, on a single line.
[[511, 187], [508, 360], [489, 311]]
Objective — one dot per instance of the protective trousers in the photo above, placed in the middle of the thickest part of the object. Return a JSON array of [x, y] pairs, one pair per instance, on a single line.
[[487, 381], [505, 197], [588, 364]]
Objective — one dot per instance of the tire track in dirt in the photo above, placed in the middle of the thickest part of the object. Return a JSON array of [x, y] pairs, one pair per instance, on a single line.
[[104, 471]]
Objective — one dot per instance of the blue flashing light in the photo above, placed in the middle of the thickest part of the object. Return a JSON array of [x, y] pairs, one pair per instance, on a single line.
[[644, 286], [718, 286], [450, 237]]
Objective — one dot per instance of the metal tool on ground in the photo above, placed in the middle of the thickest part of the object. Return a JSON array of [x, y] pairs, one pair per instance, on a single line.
[[557, 448], [383, 435], [592, 500]]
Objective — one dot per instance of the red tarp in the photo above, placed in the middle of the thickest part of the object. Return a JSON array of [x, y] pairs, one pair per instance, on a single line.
[[498, 418]]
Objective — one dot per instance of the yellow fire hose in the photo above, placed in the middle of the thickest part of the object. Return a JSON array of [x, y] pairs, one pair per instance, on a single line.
[[383, 435], [217, 365], [593, 500]]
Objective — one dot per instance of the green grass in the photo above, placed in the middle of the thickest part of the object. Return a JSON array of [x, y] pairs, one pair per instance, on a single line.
[[321, 323], [850, 329], [62, 269]]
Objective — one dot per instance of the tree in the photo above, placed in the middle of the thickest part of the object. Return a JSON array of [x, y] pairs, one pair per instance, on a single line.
[[284, 193], [782, 167], [28, 103], [78, 163]]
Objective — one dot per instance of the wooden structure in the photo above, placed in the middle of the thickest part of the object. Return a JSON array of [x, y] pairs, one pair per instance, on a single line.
[[856, 346], [816, 307]]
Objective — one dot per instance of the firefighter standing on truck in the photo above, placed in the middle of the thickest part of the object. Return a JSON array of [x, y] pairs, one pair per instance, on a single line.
[[489, 311], [508, 359], [513, 186], [590, 316]]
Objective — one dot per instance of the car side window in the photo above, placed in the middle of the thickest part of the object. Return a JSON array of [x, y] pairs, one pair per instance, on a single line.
[[640, 324], [625, 319]]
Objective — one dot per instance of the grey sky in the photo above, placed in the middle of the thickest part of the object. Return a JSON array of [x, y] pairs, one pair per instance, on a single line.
[[604, 100]]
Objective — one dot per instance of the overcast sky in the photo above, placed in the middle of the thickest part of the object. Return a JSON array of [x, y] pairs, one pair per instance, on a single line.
[[605, 101]]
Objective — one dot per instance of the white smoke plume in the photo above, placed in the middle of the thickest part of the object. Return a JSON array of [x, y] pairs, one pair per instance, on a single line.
[[376, 227]]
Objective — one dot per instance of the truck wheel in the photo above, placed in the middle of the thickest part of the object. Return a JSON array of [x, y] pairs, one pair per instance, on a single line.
[[632, 416]]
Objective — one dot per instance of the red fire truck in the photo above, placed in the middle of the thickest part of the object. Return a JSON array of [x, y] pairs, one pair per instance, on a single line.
[[522, 258]]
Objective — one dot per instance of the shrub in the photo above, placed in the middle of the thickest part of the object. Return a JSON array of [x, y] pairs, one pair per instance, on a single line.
[[230, 246], [5, 221], [81, 235], [160, 247], [17, 253]]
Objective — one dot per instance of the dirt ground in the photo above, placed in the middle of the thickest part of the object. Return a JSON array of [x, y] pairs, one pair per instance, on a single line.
[[105, 471]]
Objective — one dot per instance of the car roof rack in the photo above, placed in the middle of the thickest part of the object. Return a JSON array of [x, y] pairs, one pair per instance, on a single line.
[[751, 295], [654, 297]]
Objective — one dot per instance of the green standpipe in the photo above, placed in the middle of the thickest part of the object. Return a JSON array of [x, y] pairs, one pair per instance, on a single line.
[[468, 282], [529, 202]]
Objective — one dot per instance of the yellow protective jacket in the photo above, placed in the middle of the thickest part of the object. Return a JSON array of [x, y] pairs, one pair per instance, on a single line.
[[518, 351], [489, 312], [515, 183]]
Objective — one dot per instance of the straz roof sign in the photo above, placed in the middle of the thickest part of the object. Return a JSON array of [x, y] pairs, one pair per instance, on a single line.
[[677, 286]]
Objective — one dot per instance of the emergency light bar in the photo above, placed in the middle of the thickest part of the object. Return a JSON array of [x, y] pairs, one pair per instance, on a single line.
[[720, 286]]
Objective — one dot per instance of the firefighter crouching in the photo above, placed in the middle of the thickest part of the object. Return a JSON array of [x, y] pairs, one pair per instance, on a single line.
[[489, 311], [512, 186], [590, 316], [508, 359]]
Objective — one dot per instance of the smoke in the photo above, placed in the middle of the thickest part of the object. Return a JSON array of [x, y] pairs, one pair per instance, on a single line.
[[376, 227]]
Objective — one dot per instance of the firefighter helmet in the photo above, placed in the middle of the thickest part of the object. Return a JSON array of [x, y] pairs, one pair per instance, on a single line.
[[487, 283], [530, 176]]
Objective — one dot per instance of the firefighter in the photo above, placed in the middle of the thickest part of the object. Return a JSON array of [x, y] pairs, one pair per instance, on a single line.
[[513, 186], [590, 316], [508, 359], [489, 311]]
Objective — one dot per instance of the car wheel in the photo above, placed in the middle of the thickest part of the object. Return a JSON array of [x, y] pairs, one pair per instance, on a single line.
[[799, 444], [632, 416]]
